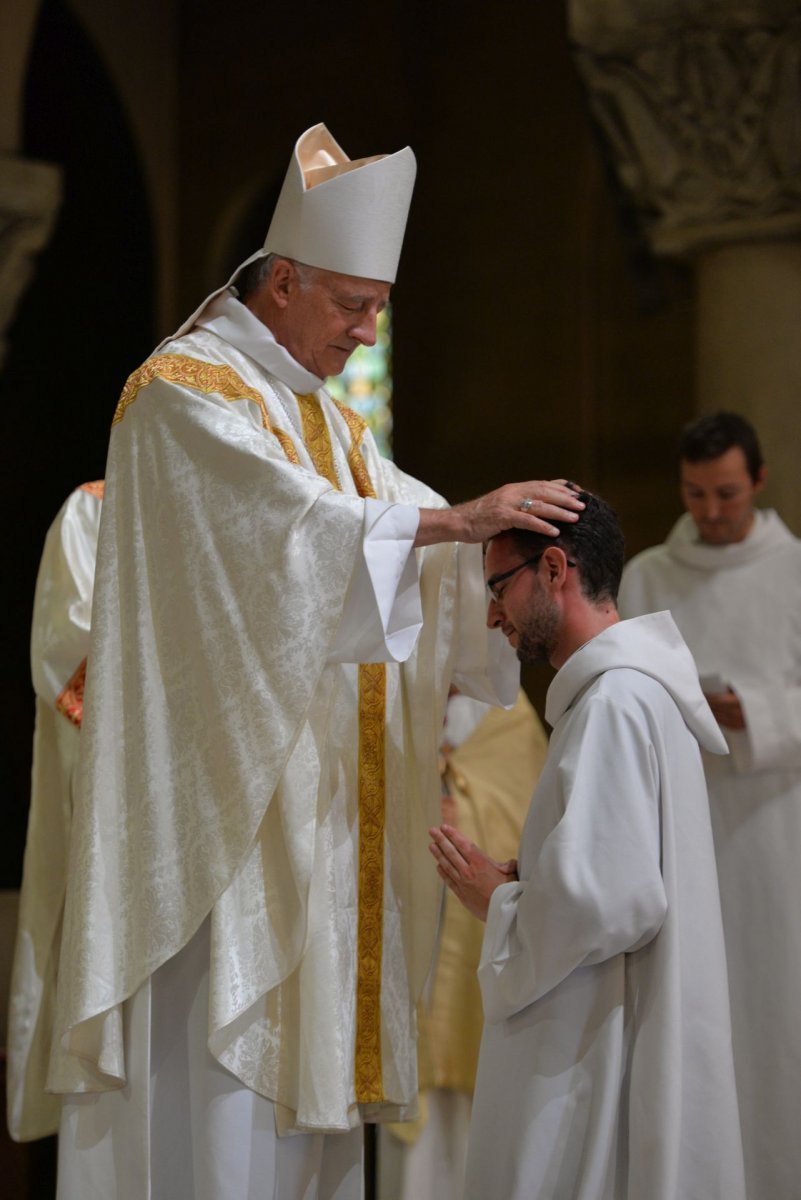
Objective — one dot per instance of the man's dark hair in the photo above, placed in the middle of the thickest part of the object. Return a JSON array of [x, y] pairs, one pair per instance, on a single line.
[[712, 435], [594, 543]]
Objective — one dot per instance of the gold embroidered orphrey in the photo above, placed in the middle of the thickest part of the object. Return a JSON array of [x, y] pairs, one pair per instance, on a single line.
[[212, 377], [372, 780], [201, 376]]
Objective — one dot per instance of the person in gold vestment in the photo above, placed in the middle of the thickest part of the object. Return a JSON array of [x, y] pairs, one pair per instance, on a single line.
[[490, 762]]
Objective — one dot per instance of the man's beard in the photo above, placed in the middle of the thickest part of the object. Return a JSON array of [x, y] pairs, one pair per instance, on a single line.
[[536, 639]]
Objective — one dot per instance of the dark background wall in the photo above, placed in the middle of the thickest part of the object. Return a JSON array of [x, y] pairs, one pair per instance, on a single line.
[[81, 326], [534, 336]]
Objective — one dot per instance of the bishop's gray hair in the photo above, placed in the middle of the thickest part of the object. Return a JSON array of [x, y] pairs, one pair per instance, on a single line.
[[253, 277]]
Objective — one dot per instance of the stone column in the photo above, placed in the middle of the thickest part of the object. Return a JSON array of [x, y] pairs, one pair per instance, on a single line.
[[30, 192], [699, 105]]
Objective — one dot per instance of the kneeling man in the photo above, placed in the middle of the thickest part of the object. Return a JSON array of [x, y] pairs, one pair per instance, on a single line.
[[606, 1063]]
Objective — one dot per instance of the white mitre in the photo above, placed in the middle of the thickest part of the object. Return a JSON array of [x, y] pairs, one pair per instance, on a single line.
[[343, 215]]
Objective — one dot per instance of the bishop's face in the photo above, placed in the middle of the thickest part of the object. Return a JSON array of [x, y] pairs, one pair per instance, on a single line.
[[520, 604], [719, 496], [328, 318]]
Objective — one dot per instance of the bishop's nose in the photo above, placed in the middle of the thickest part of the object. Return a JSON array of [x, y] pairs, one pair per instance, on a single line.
[[364, 329]]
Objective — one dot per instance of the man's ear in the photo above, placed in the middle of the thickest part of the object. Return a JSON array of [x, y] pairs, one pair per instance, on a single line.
[[555, 561], [762, 475]]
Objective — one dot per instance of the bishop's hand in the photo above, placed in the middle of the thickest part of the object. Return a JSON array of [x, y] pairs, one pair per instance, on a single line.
[[530, 505]]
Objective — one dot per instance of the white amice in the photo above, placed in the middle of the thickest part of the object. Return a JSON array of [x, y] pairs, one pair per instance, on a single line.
[[738, 609]]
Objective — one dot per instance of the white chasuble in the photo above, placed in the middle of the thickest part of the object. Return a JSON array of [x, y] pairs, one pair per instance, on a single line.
[[737, 608], [226, 766], [605, 1070]]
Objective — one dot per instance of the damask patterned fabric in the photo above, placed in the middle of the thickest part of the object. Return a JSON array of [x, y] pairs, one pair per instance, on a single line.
[[59, 644], [221, 734]]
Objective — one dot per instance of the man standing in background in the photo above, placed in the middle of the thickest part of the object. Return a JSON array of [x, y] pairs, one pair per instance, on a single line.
[[730, 574]]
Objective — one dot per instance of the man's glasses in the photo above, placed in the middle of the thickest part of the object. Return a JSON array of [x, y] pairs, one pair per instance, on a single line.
[[494, 580]]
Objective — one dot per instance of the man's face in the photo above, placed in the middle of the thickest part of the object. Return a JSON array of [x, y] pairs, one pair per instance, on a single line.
[[520, 604], [326, 320], [719, 496]]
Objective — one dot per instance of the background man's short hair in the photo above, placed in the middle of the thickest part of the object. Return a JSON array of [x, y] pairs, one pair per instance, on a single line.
[[712, 435], [595, 543]]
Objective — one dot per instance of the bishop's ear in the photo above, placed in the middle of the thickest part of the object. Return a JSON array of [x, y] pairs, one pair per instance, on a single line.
[[282, 279]]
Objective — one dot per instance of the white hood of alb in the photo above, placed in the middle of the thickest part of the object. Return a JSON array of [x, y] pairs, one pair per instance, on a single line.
[[653, 645]]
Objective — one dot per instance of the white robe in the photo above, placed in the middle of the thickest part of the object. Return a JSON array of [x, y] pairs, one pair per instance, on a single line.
[[738, 609], [59, 644], [606, 1067], [220, 761]]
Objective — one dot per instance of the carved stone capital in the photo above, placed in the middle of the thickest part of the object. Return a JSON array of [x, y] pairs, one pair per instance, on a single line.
[[700, 107], [30, 193]]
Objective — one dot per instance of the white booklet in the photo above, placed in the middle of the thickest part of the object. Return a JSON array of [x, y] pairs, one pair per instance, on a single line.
[[713, 685]]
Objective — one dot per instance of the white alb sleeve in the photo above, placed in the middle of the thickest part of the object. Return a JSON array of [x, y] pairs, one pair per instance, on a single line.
[[771, 740], [383, 612], [486, 666], [63, 602]]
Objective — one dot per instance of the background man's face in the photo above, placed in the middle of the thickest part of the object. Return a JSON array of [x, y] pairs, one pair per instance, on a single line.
[[327, 320], [719, 496]]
